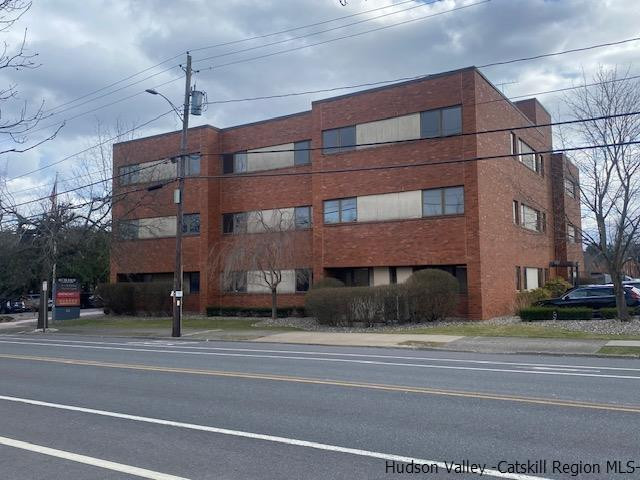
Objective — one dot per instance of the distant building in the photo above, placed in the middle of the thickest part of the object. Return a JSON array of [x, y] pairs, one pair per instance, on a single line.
[[366, 214]]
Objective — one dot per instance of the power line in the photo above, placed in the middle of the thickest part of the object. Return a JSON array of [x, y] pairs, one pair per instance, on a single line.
[[306, 35], [231, 53], [68, 157], [302, 93], [252, 175], [280, 52]]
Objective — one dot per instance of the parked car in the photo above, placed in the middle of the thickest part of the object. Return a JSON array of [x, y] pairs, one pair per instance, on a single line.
[[12, 306], [594, 296]]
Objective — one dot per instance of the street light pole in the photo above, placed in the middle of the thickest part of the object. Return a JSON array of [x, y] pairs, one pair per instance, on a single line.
[[179, 199]]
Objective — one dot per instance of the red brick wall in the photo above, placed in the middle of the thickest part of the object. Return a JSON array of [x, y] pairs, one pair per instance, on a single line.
[[484, 238]]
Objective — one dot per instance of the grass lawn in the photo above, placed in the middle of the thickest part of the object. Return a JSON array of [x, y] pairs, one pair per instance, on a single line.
[[188, 322], [532, 330], [632, 351]]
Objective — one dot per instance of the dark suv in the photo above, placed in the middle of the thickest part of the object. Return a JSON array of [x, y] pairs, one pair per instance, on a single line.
[[594, 296]]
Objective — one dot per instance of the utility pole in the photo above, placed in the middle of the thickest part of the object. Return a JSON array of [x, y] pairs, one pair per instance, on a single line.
[[178, 294]]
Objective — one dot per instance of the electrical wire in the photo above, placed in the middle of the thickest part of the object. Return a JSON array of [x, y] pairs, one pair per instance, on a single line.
[[68, 157], [234, 52]]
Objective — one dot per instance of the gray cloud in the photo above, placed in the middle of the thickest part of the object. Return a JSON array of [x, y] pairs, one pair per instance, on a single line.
[[84, 46]]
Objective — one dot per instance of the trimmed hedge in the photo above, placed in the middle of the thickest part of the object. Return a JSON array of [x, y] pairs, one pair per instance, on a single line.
[[433, 294], [153, 298], [611, 312], [327, 282], [368, 305], [532, 314], [427, 295], [214, 311]]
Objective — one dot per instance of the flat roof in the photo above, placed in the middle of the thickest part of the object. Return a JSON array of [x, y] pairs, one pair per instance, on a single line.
[[360, 92]]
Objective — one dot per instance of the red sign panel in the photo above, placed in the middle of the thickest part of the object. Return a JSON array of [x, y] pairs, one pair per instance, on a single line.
[[67, 299]]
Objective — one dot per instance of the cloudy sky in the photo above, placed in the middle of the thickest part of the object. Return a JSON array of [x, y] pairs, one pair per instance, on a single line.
[[88, 47]]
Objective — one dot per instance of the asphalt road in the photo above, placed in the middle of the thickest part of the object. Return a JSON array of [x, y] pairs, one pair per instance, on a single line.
[[113, 408]]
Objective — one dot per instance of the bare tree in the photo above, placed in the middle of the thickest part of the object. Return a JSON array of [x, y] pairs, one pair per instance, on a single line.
[[610, 176], [262, 255], [20, 122]]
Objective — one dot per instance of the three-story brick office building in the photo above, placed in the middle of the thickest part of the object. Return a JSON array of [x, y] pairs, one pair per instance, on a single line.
[[487, 207]]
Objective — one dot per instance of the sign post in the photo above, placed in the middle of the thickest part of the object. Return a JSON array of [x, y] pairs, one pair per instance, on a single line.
[[67, 299]]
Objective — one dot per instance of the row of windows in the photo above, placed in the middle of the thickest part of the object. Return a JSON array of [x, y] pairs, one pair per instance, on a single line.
[[526, 154], [529, 218], [441, 122], [238, 222], [238, 162], [237, 281], [435, 202], [156, 171]]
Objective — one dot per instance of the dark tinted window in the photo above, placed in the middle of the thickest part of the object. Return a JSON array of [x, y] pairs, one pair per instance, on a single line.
[[191, 223], [451, 121], [430, 124], [303, 279], [192, 166], [227, 163], [348, 210], [443, 201], [578, 293], [302, 217], [302, 154], [227, 223], [441, 122], [194, 282], [600, 292], [332, 211], [338, 140]]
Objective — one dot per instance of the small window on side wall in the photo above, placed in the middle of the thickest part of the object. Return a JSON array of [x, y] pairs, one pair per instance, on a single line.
[[303, 279], [302, 153], [302, 218]]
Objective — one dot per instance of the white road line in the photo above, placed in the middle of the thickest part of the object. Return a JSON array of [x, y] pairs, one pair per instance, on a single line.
[[95, 462], [559, 369], [339, 360], [259, 436], [189, 345]]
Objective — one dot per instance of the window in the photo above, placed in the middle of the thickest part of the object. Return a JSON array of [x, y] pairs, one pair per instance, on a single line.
[[571, 233], [340, 211], [192, 166], [302, 154], [443, 201], [518, 279], [527, 155], [303, 279], [339, 140], [600, 292], [234, 222], [234, 162], [236, 282], [516, 212], [302, 218], [191, 281], [570, 187], [579, 293], [128, 229], [393, 275], [532, 219], [191, 224], [129, 174], [533, 278], [441, 122]]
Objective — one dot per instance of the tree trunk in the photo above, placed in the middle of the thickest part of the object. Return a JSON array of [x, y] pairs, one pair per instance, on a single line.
[[621, 301], [274, 304]]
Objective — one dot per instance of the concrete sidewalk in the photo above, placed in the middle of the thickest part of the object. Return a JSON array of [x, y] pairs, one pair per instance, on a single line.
[[446, 342]]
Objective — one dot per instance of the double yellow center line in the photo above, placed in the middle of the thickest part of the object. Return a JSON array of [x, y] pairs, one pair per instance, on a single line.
[[337, 383]]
